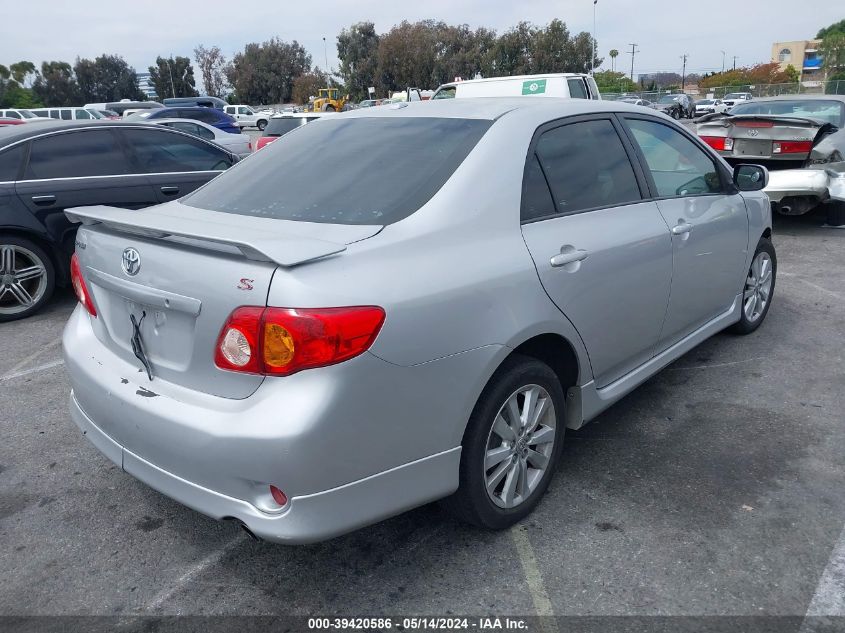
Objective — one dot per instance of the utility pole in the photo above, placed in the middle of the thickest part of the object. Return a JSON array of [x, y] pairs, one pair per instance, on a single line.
[[684, 72], [735, 58], [593, 60], [723, 61], [633, 52], [326, 56], [170, 70]]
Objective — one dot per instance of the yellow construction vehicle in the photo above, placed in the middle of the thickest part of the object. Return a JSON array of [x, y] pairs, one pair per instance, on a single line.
[[329, 100]]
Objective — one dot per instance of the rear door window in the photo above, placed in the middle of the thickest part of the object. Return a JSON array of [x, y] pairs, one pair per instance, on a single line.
[[160, 151], [347, 170], [78, 154], [587, 166], [537, 199], [577, 89]]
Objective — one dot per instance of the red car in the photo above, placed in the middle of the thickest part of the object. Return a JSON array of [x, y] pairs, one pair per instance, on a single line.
[[5, 122]]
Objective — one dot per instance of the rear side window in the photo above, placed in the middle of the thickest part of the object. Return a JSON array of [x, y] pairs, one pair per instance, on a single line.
[[76, 154], [347, 171], [207, 116], [577, 89], [66, 115], [158, 151], [83, 114], [10, 114], [677, 165], [10, 162], [536, 197], [587, 166]]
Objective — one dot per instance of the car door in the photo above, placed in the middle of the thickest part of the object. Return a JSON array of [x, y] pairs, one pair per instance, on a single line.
[[602, 251], [79, 168], [708, 221], [175, 163]]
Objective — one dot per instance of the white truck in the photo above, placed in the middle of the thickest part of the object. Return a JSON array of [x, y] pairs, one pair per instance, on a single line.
[[245, 116], [571, 85]]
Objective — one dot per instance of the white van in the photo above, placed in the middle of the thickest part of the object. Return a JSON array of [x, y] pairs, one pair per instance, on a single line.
[[68, 114], [570, 85]]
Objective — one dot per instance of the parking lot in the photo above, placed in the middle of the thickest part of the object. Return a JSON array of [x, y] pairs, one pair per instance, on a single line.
[[717, 488]]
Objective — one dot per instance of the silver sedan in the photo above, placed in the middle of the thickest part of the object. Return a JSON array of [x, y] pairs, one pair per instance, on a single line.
[[408, 303], [239, 144]]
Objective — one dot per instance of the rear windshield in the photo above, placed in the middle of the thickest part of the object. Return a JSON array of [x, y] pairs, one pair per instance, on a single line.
[[346, 170], [279, 127], [818, 109]]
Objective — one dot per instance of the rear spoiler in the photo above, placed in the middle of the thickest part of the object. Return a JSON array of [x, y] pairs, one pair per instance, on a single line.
[[727, 118], [252, 236]]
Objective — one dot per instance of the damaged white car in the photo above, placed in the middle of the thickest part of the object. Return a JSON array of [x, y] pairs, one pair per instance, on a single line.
[[800, 138]]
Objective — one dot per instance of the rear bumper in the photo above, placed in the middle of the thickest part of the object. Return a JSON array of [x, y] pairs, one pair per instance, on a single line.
[[817, 183]]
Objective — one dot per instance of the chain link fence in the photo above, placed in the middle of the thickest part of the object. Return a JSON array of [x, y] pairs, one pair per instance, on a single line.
[[836, 87]]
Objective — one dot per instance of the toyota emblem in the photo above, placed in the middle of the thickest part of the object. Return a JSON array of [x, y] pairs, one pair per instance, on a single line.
[[131, 262]]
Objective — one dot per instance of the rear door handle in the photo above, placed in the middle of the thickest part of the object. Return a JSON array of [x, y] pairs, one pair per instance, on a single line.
[[568, 255], [44, 200], [169, 190], [682, 229]]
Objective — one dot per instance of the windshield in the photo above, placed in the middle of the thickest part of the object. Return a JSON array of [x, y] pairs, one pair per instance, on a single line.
[[705, 102], [26, 114], [668, 99], [735, 95], [445, 93], [138, 116], [346, 171], [283, 125], [95, 114], [818, 109]]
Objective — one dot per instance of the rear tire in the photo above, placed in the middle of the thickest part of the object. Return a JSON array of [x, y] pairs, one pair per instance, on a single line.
[[509, 454], [261, 125], [759, 288], [27, 278], [676, 114], [836, 213]]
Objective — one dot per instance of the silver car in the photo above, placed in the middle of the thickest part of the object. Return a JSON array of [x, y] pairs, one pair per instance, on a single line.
[[406, 303]]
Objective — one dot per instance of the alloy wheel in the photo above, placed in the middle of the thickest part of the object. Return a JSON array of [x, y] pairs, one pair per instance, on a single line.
[[519, 446], [23, 279], [758, 287]]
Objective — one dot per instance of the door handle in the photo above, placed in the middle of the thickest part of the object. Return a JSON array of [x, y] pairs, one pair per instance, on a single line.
[[568, 255], [682, 229], [44, 200], [169, 190]]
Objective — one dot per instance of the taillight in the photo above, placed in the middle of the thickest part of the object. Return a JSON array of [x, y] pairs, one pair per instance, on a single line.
[[79, 286], [283, 341], [719, 143], [791, 147]]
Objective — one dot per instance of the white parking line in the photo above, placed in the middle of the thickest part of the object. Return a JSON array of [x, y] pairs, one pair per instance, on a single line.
[[32, 370], [829, 598], [209, 561], [23, 363], [542, 604]]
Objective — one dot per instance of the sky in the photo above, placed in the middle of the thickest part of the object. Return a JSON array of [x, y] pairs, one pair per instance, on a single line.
[[663, 30]]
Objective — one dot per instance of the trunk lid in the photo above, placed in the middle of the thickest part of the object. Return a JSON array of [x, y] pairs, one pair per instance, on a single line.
[[754, 135], [181, 271]]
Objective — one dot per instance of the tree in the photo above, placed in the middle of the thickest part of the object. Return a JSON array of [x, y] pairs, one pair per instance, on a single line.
[[832, 51], [264, 73], [211, 63], [173, 77], [23, 72], [106, 78], [307, 85], [527, 49], [357, 50], [613, 55], [56, 86], [836, 27], [612, 81], [793, 76]]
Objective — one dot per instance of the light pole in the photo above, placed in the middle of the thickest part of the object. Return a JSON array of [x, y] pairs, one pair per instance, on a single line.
[[633, 52], [723, 61], [593, 59], [170, 71], [735, 58], [684, 73], [326, 57]]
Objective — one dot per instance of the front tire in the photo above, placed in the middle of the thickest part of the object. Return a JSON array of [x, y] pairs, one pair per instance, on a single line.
[[676, 114], [759, 288], [27, 278], [261, 125], [511, 446], [836, 213]]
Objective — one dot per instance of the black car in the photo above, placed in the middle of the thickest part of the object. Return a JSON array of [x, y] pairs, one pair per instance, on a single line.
[[45, 171], [677, 106]]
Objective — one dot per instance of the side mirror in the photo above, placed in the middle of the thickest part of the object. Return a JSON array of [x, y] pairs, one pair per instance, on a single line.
[[751, 177]]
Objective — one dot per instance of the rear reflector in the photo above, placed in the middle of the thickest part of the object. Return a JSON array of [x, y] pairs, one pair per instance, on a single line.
[[283, 341], [278, 496], [79, 286], [792, 147], [719, 143], [753, 124]]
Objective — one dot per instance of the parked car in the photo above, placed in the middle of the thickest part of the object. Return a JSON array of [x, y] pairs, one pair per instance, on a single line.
[[677, 106], [68, 114], [203, 101], [733, 98], [800, 138], [45, 170], [120, 107], [637, 101], [369, 103], [281, 124], [334, 349], [5, 122], [572, 85], [245, 116], [16, 113], [238, 144], [212, 116], [709, 106], [110, 114]]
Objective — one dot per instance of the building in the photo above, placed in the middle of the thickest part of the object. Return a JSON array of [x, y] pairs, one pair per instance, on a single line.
[[803, 55], [146, 86]]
